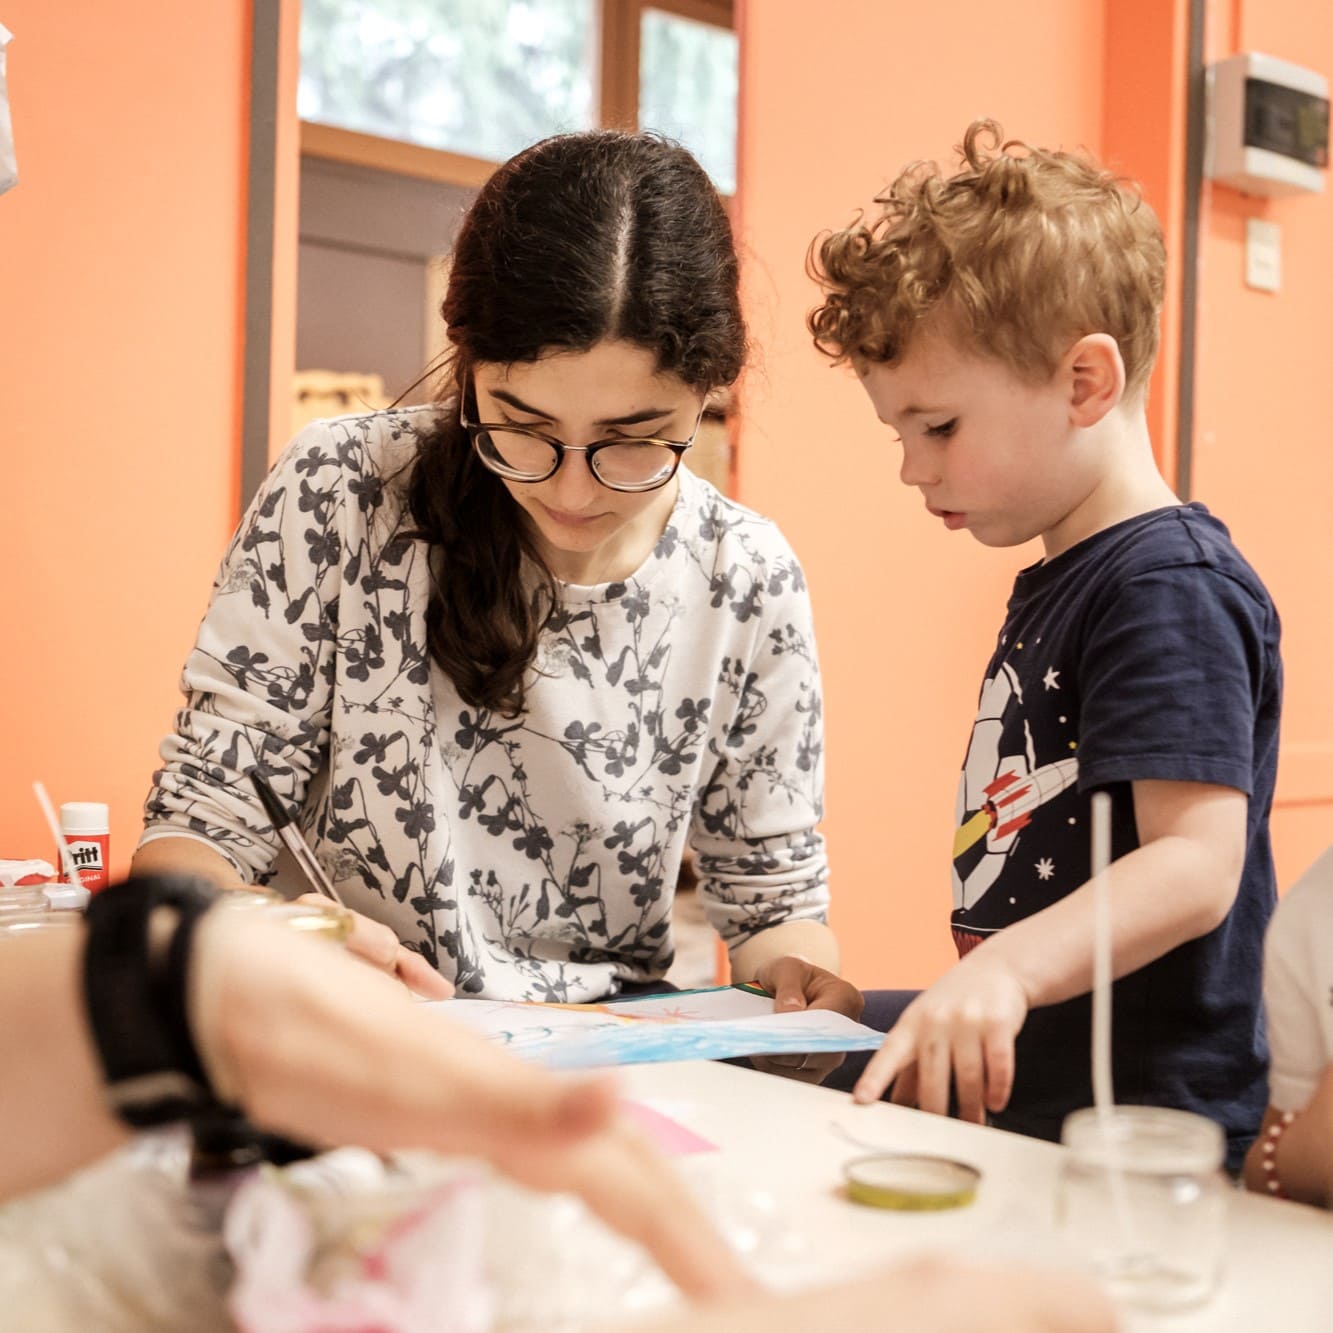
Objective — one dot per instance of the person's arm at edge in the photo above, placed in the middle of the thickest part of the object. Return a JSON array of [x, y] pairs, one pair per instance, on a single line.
[[52, 1106], [930, 1295], [1304, 1155]]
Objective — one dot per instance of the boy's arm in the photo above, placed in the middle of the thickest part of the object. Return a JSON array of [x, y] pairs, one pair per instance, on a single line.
[[1177, 885]]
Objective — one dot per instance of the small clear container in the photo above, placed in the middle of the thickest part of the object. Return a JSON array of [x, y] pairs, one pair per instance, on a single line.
[[1146, 1203], [24, 908], [67, 897]]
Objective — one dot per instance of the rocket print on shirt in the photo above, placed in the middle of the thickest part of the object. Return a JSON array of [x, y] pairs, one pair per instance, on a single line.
[[1007, 847]]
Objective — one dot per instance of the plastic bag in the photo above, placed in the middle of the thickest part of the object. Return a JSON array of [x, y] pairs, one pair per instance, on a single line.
[[9, 172], [122, 1247], [347, 1241]]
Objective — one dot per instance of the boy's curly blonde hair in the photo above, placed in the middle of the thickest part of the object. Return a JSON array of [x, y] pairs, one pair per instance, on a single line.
[[1023, 252]]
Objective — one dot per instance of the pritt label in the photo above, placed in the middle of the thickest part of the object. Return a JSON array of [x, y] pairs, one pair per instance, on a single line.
[[89, 856]]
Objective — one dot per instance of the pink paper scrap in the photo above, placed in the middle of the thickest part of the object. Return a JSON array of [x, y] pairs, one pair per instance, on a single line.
[[673, 1138]]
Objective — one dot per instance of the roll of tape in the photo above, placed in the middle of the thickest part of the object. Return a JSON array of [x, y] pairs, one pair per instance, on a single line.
[[913, 1182]]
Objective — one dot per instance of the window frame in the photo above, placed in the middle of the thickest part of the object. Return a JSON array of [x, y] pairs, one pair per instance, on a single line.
[[619, 23]]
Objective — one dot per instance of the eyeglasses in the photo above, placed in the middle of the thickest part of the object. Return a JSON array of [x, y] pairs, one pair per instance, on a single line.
[[520, 454]]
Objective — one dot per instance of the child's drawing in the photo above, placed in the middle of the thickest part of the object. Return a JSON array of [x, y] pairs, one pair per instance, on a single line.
[[689, 1025]]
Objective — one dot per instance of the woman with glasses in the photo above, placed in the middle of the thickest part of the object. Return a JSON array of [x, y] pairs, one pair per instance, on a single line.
[[505, 657]]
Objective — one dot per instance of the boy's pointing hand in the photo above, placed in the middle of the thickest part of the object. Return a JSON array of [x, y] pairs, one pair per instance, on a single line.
[[961, 1029]]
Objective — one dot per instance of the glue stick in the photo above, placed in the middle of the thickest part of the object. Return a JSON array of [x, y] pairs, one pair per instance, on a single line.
[[86, 829]]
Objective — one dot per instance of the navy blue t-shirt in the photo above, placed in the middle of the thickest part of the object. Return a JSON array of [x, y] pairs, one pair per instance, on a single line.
[[1148, 651]]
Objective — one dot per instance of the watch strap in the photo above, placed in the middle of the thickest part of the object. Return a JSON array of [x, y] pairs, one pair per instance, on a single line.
[[135, 990]]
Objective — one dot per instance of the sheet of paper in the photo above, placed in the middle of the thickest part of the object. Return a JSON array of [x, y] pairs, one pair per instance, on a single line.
[[689, 1025], [705, 1005]]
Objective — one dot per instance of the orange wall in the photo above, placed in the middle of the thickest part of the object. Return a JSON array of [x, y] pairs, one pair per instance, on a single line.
[[1144, 138], [1262, 456], [121, 263], [906, 612], [286, 229]]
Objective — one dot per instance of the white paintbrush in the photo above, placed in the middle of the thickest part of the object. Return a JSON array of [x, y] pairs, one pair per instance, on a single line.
[[71, 870]]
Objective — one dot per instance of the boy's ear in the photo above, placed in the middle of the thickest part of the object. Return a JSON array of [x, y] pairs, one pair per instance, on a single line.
[[1095, 373]]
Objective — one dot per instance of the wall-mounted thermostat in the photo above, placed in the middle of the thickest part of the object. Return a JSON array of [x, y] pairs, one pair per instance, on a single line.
[[1268, 125]]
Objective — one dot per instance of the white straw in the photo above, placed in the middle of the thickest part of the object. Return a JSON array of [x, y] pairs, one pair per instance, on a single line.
[[1103, 1095], [71, 870]]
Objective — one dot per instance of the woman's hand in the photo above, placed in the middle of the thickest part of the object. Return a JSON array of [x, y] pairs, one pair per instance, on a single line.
[[796, 983], [960, 1030], [377, 945]]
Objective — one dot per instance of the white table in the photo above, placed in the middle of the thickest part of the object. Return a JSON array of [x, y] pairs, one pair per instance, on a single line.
[[788, 1140]]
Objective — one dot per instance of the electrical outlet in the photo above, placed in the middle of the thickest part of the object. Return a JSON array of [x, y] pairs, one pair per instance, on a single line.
[[1263, 255]]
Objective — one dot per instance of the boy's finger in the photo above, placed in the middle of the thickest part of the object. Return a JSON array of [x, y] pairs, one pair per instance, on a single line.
[[904, 1088], [969, 1074], [883, 1066], [934, 1063], [999, 1052]]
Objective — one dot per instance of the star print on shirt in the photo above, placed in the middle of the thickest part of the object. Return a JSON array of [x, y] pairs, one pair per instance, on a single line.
[[1045, 868], [1051, 679]]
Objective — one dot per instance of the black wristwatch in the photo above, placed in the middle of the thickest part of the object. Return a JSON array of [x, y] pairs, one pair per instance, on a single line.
[[135, 971]]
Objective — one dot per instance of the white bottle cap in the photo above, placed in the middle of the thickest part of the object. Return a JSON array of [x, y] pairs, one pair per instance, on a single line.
[[67, 897], [84, 817]]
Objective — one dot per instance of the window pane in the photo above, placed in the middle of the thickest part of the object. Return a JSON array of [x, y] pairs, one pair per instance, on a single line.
[[687, 89], [482, 77]]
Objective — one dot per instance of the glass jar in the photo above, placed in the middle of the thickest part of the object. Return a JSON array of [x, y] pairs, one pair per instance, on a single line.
[[1145, 1203]]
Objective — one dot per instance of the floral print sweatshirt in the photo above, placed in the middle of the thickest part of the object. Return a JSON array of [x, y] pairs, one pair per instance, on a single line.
[[532, 857]]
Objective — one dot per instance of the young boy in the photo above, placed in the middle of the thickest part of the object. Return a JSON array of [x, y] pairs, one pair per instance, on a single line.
[[1004, 322]]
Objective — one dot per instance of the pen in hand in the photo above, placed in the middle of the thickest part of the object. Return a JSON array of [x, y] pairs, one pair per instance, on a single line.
[[285, 827], [410, 968]]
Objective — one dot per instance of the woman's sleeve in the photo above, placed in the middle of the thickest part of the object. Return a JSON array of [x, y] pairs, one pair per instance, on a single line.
[[258, 682], [761, 861]]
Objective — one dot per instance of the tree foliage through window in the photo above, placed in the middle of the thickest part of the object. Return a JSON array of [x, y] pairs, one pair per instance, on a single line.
[[488, 77], [482, 77]]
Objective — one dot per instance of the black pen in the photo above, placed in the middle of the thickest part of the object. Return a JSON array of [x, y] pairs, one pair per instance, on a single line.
[[285, 827]]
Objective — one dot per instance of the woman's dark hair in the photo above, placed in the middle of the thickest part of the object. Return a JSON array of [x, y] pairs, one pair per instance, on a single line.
[[580, 238]]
